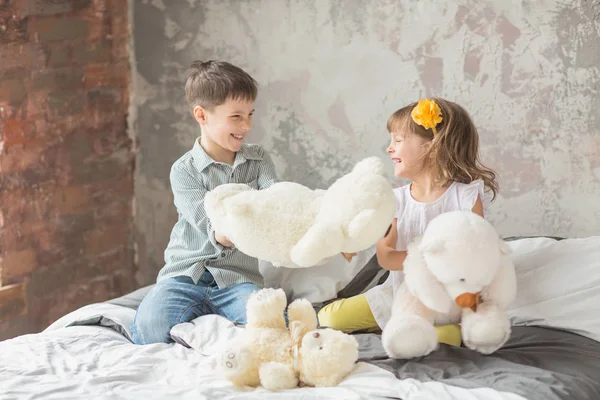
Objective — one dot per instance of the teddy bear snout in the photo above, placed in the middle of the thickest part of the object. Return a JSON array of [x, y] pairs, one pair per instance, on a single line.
[[316, 335], [468, 300]]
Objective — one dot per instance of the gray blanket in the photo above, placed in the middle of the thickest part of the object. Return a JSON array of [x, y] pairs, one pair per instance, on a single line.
[[536, 363]]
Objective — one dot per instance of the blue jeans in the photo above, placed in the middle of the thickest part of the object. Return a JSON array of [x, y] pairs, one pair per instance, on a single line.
[[176, 300]]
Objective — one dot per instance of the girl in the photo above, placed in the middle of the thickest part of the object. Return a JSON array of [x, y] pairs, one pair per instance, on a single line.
[[434, 144]]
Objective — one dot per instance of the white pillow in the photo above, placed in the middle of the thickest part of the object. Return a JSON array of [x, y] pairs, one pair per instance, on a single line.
[[558, 284], [316, 284]]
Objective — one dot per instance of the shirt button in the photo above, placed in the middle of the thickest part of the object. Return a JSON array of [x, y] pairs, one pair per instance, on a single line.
[[206, 263], [223, 254]]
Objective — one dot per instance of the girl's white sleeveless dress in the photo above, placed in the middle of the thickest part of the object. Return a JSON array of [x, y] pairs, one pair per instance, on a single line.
[[413, 217]]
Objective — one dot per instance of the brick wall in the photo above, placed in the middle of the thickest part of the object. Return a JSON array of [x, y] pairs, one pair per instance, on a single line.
[[66, 161]]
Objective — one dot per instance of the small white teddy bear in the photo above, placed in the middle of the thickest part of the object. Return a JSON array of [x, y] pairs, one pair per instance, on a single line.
[[293, 226], [270, 355], [458, 271]]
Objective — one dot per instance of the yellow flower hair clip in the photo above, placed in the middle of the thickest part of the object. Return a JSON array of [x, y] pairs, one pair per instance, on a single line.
[[427, 114]]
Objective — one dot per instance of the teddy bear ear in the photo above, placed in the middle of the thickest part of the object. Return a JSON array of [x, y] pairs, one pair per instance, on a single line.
[[432, 246], [373, 165]]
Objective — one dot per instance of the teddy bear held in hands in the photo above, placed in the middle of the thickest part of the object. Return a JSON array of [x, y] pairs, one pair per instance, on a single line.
[[458, 271], [277, 358], [293, 226]]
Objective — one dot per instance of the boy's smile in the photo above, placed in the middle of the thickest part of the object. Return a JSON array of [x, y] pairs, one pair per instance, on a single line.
[[224, 128]]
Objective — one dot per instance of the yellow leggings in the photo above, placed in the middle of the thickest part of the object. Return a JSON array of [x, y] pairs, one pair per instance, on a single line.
[[354, 314]]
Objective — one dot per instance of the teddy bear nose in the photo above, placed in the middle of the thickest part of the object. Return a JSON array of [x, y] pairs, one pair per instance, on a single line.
[[316, 335]]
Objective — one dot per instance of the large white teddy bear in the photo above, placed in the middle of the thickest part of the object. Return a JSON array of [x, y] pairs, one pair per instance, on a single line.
[[270, 355], [458, 271], [293, 226]]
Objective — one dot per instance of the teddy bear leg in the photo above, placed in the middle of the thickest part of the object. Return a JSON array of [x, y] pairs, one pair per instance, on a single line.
[[265, 309], [301, 310], [239, 366], [485, 330], [410, 332], [277, 376], [408, 336]]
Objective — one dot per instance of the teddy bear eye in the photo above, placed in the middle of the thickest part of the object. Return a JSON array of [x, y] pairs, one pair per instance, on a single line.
[[320, 347], [462, 279]]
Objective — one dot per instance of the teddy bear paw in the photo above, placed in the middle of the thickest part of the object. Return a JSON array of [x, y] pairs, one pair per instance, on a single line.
[[408, 336], [486, 330], [236, 361], [269, 299]]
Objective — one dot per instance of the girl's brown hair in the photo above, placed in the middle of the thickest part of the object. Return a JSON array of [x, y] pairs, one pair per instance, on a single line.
[[455, 147]]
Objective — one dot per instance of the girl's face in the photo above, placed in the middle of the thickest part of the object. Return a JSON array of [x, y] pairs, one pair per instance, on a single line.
[[408, 152]]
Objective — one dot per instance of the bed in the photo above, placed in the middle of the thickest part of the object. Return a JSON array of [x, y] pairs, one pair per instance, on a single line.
[[553, 352]]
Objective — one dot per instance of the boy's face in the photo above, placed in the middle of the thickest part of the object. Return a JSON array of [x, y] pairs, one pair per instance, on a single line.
[[408, 152], [225, 126]]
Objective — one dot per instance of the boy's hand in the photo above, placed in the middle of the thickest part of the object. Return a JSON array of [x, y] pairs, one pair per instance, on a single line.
[[348, 256], [223, 241]]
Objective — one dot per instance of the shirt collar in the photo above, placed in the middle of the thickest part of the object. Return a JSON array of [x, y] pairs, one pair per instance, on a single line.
[[203, 160]]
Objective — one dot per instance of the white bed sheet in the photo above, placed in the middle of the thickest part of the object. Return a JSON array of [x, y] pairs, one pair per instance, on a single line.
[[93, 362]]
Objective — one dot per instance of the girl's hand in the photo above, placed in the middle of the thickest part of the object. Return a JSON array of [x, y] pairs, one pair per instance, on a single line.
[[387, 256]]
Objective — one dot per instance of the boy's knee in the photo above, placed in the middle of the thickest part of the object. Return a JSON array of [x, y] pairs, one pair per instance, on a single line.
[[158, 312], [151, 327]]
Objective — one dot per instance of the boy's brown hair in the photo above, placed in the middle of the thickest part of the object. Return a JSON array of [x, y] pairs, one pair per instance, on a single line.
[[455, 147], [209, 84]]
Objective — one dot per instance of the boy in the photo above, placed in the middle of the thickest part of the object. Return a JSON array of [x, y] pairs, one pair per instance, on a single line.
[[203, 272]]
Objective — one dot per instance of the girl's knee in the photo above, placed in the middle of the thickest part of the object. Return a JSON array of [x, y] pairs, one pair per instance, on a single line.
[[329, 318], [449, 334]]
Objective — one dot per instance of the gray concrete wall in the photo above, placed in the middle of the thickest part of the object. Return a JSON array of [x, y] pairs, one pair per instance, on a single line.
[[332, 71]]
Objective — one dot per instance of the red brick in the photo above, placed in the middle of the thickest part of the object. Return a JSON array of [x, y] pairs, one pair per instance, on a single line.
[[17, 264], [103, 264], [113, 190], [13, 29], [98, 51], [12, 301], [73, 200], [116, 166], [64, 79], [18, 131], [21, 55], [105, 100], [66, 161], [13, 91], [27, 8], [48, 29], [120, 27], [57, 54], [110, 140], [66, 103], [119, 7], [97, 75], [107, 238], [52, 305], [19, 157], [15, 326]]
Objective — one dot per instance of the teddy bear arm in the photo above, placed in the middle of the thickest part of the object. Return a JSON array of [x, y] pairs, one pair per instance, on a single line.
[[303, 311], [503, 289], [423, 284], [277, 376], [322, 240]]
